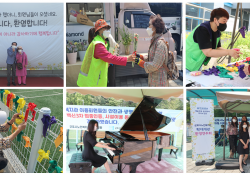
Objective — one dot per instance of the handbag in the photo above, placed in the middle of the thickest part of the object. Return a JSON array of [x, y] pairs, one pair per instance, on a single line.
[[20, 65]]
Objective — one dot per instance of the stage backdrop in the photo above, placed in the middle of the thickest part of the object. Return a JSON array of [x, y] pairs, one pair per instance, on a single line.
[[202, 123], [112, 118], [38, 28]]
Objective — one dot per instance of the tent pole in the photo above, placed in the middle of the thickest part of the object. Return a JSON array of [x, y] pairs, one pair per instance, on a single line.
[[235, 22], [224, 140]]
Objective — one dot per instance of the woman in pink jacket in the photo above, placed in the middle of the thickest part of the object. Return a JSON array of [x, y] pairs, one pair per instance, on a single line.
[[21, 57]]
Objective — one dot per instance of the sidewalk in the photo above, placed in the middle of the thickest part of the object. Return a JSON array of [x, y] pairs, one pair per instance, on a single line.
[[192, 168]]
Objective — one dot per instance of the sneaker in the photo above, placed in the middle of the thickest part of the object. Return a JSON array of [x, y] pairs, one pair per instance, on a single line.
[[14, 83]]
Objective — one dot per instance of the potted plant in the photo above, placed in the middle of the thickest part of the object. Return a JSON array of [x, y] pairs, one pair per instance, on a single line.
[[82, 47], [71, 52], [126, 38]]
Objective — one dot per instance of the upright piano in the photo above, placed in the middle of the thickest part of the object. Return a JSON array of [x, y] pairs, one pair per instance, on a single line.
[[138, 139]]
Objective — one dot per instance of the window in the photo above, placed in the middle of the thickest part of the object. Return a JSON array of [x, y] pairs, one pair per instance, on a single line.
[[127, 19], [141, 20], [166, 9]]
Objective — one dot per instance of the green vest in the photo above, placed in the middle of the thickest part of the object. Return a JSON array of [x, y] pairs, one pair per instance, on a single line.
[[194, 56], [94, 72]]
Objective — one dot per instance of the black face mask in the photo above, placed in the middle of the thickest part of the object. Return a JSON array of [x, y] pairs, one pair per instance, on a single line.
[[222, 27]]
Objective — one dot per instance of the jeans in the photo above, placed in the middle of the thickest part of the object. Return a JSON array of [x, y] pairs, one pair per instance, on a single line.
[[9, 67]]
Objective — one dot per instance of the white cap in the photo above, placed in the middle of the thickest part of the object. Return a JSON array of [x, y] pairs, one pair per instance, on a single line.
[[3, 117]]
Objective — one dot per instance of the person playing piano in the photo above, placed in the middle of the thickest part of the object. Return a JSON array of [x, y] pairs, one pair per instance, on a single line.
[[89, 141]]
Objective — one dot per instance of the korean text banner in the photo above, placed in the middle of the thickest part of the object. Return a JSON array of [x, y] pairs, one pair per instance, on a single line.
[[202, 123], [112, 118], [38, 28]]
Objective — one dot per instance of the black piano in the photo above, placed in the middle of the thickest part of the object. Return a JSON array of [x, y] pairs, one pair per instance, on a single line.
[[137, 142]]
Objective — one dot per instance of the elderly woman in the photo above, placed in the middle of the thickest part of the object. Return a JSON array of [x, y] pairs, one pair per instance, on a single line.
[[6, 142], [94, 69], [157, 54], [21, 64]]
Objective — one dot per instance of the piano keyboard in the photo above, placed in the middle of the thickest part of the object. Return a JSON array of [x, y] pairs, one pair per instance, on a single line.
[[110, 151]]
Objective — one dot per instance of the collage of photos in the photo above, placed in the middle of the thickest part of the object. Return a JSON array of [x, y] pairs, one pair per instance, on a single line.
[[138, 87]]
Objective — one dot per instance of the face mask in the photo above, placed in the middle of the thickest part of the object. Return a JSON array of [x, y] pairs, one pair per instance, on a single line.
[[13, 47], [234, 120], [222, 27], [149, 31], [20, 51], [244, 126], [106, 33], [95, 128]]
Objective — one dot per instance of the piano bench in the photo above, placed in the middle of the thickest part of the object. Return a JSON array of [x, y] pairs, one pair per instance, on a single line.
[[78, 165], [172, 150]]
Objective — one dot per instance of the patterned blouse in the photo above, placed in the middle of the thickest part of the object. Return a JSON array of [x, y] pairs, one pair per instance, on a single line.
[[157, 56], [232, 130], [4, 142]]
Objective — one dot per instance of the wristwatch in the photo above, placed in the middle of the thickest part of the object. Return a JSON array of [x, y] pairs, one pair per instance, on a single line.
[[9, 123]]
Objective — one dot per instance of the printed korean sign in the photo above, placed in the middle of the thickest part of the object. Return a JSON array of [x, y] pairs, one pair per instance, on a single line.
[[38, 28], [202, 123], [112, 118]]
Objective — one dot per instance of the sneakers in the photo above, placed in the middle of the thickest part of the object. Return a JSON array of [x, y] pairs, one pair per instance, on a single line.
[[14, 83]]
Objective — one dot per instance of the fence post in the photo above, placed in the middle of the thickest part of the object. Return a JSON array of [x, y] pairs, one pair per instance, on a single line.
[[37, 141]]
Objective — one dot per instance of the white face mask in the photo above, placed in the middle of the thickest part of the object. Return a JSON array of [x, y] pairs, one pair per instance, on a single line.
[[150, 31], [234, 120], [106, 33], [95, 128], [244, 126], [20, 51], [13, 47]]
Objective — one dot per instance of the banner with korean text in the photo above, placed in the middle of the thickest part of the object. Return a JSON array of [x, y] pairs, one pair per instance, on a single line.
[[38, 28], [112, 118], [202, 123]]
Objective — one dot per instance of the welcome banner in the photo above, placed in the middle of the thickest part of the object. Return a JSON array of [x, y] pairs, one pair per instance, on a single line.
[[202, 123], [38, 28]]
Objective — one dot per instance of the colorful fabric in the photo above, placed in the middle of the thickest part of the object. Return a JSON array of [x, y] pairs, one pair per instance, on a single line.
[[102, 53], [100, 24], [211, 71], [157, 56], [223, 72], [231, 130]]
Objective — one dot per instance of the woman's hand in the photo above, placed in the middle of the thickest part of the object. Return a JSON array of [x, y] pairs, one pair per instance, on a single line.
[[25, 66], [246, 69], [245, 146], [234, 53], [110, 148], [131, 58], [22, 126], [14, 117]]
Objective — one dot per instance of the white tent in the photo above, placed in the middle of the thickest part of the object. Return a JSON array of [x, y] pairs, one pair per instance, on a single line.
[[238, 102]]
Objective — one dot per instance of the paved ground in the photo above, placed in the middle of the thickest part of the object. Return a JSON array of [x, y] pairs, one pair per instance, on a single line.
[[192, 168], [175, 165], [142, 81]]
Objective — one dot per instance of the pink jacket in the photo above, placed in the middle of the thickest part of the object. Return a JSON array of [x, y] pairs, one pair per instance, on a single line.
[[102, 53], [21, 58]]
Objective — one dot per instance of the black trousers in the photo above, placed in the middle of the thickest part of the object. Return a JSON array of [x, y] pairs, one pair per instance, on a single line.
[[3, 161]]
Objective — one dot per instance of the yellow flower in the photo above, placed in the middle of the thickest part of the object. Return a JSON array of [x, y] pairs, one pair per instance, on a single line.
[[54, 64], [40, 64], [32, 68], [75, 43]]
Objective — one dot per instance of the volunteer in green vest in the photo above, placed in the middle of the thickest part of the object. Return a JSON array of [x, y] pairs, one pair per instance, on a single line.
[[94, 69], [204, 41]]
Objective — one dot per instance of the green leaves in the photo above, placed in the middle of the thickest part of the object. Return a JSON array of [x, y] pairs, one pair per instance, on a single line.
[[125, 35]]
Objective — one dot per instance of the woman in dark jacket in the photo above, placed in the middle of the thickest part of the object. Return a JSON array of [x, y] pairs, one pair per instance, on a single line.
[[243, 149], [89, 141]]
